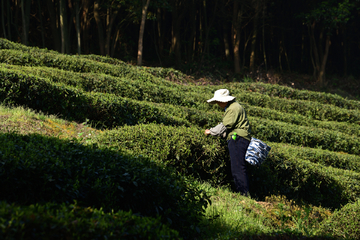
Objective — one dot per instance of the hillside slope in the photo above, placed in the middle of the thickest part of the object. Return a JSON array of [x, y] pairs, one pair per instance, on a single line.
[[141, 120]]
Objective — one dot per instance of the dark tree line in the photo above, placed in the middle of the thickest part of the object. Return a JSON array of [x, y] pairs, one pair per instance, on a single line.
[[309, 36]]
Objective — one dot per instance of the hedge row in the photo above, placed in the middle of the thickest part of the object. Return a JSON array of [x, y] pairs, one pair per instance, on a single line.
[[272, 90], [327, 158], [275, 90], [116, 111], [75, 63], [55, 221], [206, 158], [344, 223], [72, 103], [274, 131], [309, 182], [186, 149], [36, 169], [150, 92], [297, 119], [129, 88], [310, 109]]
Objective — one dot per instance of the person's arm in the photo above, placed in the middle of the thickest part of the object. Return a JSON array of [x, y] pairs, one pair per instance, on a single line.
[[218, 130]]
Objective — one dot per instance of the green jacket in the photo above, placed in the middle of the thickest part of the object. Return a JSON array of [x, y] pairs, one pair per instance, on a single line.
[[235, 120]]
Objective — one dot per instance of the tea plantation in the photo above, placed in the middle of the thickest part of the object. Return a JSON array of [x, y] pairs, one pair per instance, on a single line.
[[141, 173]]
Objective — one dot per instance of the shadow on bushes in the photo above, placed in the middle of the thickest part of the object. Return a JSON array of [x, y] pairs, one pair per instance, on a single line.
[[38, 169], [300, 182]]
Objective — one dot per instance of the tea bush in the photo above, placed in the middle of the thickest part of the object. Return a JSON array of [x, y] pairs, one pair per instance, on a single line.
[[275, 131], [63, 221], [270, 114], [186, 149], [36, 169], [344, 222], [275, 90], [206, 158], [320, 156], [329, 187], [110, 111]]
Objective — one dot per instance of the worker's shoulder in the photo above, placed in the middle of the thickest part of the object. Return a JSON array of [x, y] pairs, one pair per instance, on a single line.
[[235, 106]]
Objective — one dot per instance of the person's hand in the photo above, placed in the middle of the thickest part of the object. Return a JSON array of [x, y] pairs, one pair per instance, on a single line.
[[207, 132]]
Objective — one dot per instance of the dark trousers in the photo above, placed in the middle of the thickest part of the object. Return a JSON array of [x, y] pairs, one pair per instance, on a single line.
[[237, 150]]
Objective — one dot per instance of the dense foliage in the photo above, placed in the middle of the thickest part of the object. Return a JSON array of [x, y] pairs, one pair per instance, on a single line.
[[150, 148]]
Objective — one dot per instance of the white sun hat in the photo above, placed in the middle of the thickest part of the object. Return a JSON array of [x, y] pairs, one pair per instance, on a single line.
[[221, 95]]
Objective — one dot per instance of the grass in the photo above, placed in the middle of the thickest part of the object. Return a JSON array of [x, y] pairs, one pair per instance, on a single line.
[[27, 121], [230, 216]]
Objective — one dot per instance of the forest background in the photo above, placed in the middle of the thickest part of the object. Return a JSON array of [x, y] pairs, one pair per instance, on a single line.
[[305, 44]]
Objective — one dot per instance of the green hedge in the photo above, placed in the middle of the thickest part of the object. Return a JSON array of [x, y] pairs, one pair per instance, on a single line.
[[111, 111], [75, 63], [206, 158], [186, 149], [320, 156], [144, 91], [54, 221], [275, 131], [123, 87], [36, 169], [309, 182], [72, 103], [275, 90], [344, 223], [270, 114], [312, 110]]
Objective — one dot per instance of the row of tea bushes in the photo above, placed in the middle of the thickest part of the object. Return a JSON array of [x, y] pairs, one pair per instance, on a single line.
[[297, 119], [72, 103], [267, 89], [191, 153], [312, 110], [144, 91], [275, 90], [344, 223], [64, 221], [123, 87], [37, 169], [150, 92], [186, 149], [75, 63], [311, 183], [275, 131], [320, 156], [111, 111]]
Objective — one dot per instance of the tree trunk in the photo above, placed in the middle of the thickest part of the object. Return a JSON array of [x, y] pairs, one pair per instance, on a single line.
[[254, 35], [225, 35], [2, 18], [53, 24], [178, 13], [99, 27], [321, 77], [77, 25], [207, 29], [109, 26], [85, 26], [141, 32], [160, 34], [41, 24], [237, 14], [64, 27], [263, 38], [25, 14], [8, 16], [192, 37]]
